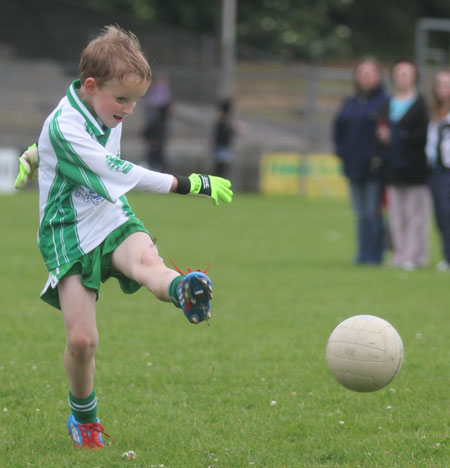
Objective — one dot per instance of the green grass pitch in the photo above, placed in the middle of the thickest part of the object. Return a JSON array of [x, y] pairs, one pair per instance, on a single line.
[[252, 390]]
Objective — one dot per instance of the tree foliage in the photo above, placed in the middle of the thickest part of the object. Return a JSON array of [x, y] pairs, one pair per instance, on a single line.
[[303, 29]]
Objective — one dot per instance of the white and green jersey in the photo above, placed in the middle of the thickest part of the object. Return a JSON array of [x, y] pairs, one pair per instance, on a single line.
[[83, 181]]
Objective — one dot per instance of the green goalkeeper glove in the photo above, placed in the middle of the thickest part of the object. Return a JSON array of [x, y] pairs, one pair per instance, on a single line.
[[28, 164], [214, 187]]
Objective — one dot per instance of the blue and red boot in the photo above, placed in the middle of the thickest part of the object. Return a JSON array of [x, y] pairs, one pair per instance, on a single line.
[[194, 294], [86, 435]]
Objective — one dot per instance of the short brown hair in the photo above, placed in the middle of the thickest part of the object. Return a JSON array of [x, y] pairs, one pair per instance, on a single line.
[[115, 53]]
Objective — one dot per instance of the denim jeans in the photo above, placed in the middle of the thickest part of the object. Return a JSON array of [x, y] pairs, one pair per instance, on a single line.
[[366, 199]]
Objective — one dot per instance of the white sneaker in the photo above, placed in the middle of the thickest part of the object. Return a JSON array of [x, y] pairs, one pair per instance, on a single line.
[[409, 266], [442, 266]]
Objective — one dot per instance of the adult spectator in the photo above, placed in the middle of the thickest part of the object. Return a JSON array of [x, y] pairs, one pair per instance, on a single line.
[[356, 145], [402, 132], [157, 103], [438, 155]]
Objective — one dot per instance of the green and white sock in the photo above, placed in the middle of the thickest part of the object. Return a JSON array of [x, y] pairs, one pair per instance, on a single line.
[[173, 290], [84, 409]]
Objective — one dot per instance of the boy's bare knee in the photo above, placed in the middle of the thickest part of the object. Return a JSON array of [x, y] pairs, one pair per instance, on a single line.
[[149, 257], [145, 260], [82, 346]]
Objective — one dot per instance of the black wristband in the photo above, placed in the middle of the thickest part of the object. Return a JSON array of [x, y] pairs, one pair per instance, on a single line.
[[184, 185]]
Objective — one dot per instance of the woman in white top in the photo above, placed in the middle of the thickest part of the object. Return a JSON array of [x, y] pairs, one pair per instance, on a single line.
[[438, 155]]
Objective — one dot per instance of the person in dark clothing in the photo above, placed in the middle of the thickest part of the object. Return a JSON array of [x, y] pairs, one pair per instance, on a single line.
[[356, 145], [223, 134], [402, 131], [157, 101]]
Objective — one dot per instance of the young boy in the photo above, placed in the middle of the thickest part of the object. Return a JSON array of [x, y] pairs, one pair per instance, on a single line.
[[88, 232]]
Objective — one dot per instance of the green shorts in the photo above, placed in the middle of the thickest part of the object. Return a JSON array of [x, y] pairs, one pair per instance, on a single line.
[[95, 266]]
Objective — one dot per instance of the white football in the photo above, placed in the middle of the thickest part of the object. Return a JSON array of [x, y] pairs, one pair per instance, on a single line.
[[364, 353]]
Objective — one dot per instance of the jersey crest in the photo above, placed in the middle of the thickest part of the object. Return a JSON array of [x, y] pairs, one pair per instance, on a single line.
[[118, 165]]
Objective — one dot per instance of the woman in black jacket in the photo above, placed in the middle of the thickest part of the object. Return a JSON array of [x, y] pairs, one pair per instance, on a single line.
[[402, 131]]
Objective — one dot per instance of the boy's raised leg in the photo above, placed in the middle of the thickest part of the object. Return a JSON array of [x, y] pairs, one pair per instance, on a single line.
[[137, 258]]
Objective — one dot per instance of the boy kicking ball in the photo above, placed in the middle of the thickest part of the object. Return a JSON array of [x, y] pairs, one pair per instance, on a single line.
[[88, 231]]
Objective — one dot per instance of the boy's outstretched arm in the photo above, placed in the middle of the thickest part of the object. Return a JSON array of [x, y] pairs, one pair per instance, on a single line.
[[28, 164], [214, 187]]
